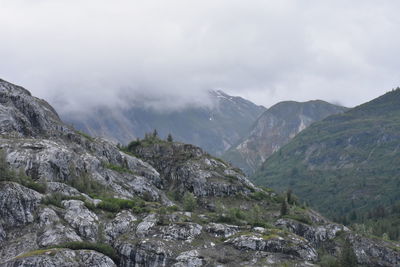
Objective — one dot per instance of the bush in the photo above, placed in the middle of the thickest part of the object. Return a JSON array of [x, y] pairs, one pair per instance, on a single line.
[[232, 215], [172, 208], [53, 199], [39, 187], [259, 195], [116, 204], [117, 168], [99, 247], [347, 257], [328, 261], [189, 202], [56, 199], [85, 184], [299, 217]]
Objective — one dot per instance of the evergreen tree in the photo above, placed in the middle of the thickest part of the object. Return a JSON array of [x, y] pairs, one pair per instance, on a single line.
[[169, 138], [284, 208], [155, 133], [348, 258], [289, 196]]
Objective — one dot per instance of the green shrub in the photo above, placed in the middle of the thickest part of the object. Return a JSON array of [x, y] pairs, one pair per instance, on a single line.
[[55, 199], [189, 202], [233, 216], [116, 204], [99, 247], [259, 195], [85, 135], [117, 168], [37, 186], [172, 208], [328, 261], [347, 256], [299, 217], [108, 206], [85, 184]]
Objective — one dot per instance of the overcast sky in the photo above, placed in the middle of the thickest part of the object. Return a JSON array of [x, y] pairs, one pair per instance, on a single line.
[[80, 53]]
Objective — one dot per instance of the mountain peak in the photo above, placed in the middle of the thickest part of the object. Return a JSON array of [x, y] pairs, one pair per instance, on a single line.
[[276, 127]]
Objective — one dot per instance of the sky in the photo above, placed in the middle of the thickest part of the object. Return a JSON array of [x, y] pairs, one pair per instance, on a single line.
[[78, 54]]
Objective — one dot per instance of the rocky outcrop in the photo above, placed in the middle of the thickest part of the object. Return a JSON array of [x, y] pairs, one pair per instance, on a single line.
[[61, 257], [315, 234], [188, 168], [190, 258], [121, 224], [53, 232], [186, 232], [23, 115], [291, 245], [375, 252], [17, 204], [81, 219], [143, 228], [148, 252], [222, 230]]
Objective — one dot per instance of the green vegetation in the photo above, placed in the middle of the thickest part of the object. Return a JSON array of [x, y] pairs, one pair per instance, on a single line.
[[169, 138], [55, 199], [189, 202], [284, 208], [115, 205], [117, 168], [38, 252], [347, 256], [85, 135], [99, 247], [85, 184], [7, 174], [346, 166]]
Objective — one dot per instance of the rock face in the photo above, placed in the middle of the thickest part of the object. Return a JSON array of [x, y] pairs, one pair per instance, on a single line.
[[17, 204], [81, 219], [139, 216], [292, 245], [188, 168], [214, 128], [63, 257], [274, 129]]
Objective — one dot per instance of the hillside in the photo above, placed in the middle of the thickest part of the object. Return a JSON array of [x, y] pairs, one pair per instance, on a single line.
[[275, 128], [214, 128], [345, 166], [68, 198]]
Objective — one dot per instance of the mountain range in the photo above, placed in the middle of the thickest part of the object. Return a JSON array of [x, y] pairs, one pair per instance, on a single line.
[[214, 127], [67, 198], [347, 165], [275, 128]]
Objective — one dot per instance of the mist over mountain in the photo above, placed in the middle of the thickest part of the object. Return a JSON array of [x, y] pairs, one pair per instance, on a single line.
[[214, 127]]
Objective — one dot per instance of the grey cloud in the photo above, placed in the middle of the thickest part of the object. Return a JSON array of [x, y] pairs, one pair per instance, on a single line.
[[168, 54]]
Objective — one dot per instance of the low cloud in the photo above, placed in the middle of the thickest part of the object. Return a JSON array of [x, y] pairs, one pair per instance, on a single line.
[[168, 54]]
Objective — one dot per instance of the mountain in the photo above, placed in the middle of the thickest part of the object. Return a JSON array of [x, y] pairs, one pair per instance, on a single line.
[[214, 128], [67, 199], [346, 165], [275, 128]]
